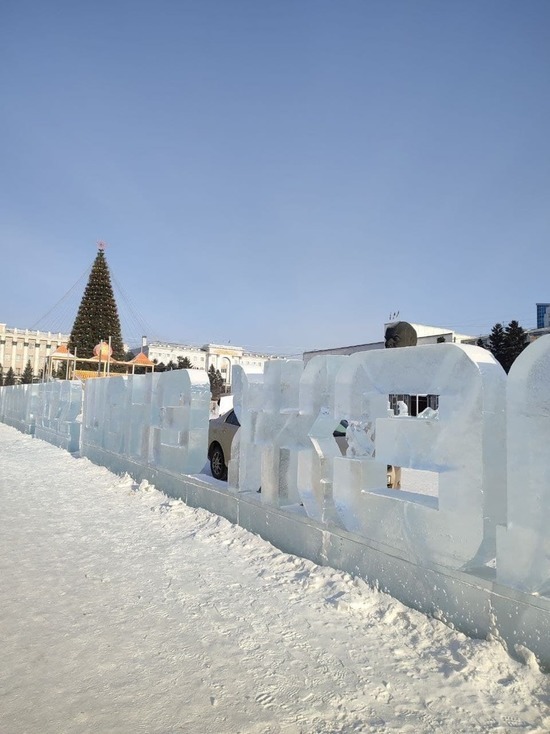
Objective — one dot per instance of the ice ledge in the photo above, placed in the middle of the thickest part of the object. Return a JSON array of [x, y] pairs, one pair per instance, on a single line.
[[472, 602]]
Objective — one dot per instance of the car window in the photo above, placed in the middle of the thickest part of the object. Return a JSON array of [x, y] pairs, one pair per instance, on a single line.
[[232, 418]]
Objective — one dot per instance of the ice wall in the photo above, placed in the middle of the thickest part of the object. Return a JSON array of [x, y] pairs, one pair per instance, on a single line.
[[18, 404], [59, 413], [477, 555], [158, 421]]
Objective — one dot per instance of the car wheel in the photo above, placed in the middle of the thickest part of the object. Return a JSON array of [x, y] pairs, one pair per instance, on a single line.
[[217, 463]]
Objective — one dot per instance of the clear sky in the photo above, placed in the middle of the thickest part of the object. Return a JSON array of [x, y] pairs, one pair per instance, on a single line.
[[279, 174]]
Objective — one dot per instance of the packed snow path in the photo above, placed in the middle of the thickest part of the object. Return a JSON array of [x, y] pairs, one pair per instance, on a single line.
[[122, 611]]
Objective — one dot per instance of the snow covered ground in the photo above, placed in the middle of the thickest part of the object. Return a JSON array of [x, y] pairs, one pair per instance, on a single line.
[[122, 611]]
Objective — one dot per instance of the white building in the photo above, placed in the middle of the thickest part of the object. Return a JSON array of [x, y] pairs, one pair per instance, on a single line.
[[223, 356], [425, 335], [18, 346]]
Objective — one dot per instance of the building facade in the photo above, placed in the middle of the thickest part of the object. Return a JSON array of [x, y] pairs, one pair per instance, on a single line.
[[543, 315], [18, 346], [222, 356]]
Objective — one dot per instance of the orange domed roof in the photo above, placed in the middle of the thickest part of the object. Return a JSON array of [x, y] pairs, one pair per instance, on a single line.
[[104, 350]]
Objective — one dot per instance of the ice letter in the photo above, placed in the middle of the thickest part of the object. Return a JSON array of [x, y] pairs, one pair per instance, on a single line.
[[158, 420], [264, 445], [244, 469], [179, 420], [464, 444], [314, 441], [523, 548]]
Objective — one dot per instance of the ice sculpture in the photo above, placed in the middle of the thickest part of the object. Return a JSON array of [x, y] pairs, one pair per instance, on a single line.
[[464, 443], [523, 547], [58, 413], [158, 420]]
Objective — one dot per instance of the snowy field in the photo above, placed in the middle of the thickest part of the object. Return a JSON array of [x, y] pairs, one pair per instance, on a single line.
[[123, 611]]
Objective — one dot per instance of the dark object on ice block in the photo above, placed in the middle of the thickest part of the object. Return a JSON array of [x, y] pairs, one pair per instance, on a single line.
[[400, 334]]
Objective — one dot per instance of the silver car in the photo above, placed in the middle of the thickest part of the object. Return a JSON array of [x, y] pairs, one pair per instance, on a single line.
[[220, 437]]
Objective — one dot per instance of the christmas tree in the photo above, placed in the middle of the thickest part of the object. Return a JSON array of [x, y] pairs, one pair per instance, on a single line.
[[97, 318]]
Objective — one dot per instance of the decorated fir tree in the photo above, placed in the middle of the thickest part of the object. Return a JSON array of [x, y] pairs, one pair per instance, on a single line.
[[97, 318]]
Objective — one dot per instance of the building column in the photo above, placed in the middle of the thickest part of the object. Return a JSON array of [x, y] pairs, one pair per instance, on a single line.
[[14, 355], [36, 367]]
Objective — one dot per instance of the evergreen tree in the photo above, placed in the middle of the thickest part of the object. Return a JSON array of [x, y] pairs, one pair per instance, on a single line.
[[216, 382], [10, 377], [480, 343], [27, 376], [184, 363], [515, 341], [497, 343], [441, 339], [97, 318]]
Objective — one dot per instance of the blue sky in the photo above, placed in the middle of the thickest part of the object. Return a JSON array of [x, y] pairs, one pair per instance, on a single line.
[[279, 174]]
